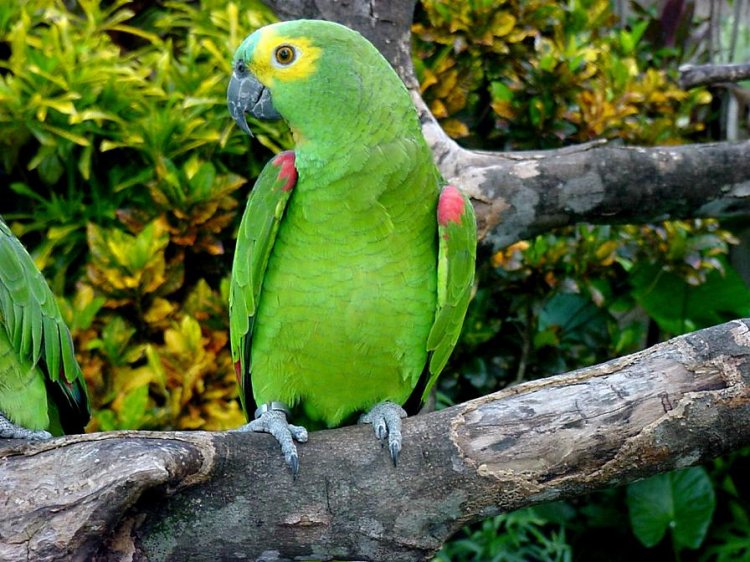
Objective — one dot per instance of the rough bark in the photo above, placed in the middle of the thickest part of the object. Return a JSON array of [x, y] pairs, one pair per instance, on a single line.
[[221, 496], [520, 194], [705, 74]]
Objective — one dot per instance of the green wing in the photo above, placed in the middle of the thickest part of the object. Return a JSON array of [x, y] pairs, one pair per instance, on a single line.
[[31, 319], [255, 239], [457, 232]]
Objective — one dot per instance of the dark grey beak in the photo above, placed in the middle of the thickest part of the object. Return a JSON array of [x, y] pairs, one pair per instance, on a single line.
[[246, 94]]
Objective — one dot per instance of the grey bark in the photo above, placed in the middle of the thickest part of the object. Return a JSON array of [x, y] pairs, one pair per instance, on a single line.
[[705, 74], [222, 496]]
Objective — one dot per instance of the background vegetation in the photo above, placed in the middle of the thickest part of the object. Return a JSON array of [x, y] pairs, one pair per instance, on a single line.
[[123, 174]]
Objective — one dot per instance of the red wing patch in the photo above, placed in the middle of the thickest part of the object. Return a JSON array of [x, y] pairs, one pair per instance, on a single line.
[[288, 172], [450, 205], [238, 371]]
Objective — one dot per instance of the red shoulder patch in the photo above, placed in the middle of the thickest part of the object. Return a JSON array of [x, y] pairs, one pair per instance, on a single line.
[[238, 371], [288, 172], [451, 205]]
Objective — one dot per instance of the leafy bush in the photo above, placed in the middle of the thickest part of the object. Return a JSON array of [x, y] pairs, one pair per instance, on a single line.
[[126, 180], [549, 73], [519, 536]]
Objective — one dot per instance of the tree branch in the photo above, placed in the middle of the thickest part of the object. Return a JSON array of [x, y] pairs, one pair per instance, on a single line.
[[521, 194], [705, 74], [183, 496]]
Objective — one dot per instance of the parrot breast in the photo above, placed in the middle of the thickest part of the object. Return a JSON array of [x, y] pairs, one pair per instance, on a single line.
[[349, 293]]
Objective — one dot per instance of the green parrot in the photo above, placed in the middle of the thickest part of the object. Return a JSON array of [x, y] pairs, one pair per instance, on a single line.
[[42, 391], [354, 262]]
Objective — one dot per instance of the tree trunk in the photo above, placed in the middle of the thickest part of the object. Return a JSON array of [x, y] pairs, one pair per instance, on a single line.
[[220, 496]]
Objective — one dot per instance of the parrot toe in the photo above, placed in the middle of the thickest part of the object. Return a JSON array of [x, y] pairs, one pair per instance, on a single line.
[[275, 423], [9, 430], [385, 418], [395, 448]]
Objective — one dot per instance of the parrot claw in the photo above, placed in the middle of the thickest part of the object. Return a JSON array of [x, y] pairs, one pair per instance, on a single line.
[[9, 430], [385, 418], [275, 423], [395, 448]]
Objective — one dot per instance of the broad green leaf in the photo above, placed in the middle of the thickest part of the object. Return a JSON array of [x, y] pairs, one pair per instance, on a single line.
[[133, 408], [573, 318], [116, 336], [682, 502], [679, 307]]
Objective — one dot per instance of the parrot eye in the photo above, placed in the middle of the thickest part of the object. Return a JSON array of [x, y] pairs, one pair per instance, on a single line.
[[285, 54], [240, 67]]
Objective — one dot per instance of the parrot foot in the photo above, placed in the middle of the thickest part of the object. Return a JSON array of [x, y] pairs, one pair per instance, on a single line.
[[9, 430], [385, 418], [274, 422]]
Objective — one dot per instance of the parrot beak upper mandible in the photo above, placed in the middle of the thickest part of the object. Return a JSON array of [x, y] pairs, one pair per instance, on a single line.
[[246, 94]]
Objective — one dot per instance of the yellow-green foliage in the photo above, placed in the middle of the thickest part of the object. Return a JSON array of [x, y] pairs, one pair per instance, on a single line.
[[538, 73], [119, 152]]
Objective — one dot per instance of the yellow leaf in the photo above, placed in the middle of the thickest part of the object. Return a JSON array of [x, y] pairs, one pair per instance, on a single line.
[[62, 106], [703, 98], [606, 252], [428, 79], [438, 109], [159, 310], [503, 23], [503, 109], [455, 128]]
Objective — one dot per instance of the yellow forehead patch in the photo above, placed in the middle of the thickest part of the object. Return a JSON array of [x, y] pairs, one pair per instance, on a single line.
[[268, 70]]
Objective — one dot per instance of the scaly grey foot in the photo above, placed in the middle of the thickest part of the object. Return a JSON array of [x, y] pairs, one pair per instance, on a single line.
[[274, 421], [9, 430], [385, 418]]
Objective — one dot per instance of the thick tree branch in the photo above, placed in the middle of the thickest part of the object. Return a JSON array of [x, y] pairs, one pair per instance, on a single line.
[[518, 195], [197, 496]]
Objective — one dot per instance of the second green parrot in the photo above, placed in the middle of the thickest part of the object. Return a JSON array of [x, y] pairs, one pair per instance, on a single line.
[[42, 391], [354, 262]]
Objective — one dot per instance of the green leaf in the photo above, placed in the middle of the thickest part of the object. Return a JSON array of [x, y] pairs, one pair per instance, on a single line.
[[24, 189], [682, 502], [572, 318], [536, 111], [203, 181], [500, 91], [107, 420], [72, 137], [50, 169], [679, 307], [133, 407], [115, 340]]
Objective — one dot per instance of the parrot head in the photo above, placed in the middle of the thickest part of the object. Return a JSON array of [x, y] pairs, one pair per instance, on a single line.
[[321, 77]]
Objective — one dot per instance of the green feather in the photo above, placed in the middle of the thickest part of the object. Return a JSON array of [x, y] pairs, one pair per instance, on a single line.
[[35, 345], [457, 255], [255, 239]]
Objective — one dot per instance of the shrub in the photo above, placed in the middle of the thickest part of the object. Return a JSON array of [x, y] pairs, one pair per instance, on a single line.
[[526, 74], [126, 174]]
